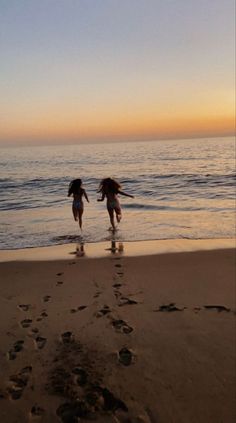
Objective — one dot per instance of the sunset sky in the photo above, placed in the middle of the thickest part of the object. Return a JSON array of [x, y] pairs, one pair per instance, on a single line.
[[104, 70]]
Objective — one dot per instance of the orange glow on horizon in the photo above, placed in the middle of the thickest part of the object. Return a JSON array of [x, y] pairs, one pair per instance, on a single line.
[[126, 127]]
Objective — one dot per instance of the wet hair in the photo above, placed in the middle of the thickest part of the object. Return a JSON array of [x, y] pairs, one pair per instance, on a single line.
[[75, 186], [109, 184]]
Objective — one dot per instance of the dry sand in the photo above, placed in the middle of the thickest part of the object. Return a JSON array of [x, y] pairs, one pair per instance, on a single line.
[[119, 339]]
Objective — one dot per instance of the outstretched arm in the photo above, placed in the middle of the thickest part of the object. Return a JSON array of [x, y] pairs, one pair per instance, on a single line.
[[125, 194], [85, 194]]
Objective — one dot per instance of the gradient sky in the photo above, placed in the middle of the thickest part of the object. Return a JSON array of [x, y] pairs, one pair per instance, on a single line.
[[77, 70]]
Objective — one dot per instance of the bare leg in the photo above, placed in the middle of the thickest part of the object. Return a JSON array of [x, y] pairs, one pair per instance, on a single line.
[[118, 217], [75, 213], [80, 218], [111, 215], [118, 214]]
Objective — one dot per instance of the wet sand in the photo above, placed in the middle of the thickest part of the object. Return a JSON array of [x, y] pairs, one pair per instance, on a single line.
[[119, 338]]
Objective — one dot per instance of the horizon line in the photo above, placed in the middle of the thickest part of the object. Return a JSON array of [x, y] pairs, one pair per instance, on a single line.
[[115, 141], [43, 143]]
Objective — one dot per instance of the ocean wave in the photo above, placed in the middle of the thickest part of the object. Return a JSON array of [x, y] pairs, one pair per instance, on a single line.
[[138, 206]]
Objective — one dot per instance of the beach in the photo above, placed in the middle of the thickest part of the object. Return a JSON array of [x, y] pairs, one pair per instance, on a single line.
[[133, 332], [117, 212]]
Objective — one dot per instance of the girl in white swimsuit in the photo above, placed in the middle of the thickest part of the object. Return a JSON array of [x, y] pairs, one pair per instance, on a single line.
[[75, 188], [110, 189]]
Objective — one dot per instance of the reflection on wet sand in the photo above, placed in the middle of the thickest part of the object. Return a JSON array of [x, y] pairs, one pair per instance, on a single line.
[[116, 249], [80, 249]]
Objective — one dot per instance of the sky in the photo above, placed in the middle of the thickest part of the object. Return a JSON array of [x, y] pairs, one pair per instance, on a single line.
[[110, 70]]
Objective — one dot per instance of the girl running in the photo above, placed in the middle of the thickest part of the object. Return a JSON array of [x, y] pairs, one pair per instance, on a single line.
[[78, 192], [110, 189]]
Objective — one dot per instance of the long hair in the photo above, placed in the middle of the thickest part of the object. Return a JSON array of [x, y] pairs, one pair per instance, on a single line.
[[109, 185], [75, 186]]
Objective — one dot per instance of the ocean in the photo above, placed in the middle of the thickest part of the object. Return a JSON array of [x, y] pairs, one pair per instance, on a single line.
[[182, 189]]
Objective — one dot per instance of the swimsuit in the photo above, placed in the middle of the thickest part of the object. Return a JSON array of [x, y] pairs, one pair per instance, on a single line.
[[77, 204], [114, 204]]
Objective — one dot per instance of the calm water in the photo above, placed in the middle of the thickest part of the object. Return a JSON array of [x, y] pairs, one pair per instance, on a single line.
[[183, 189]]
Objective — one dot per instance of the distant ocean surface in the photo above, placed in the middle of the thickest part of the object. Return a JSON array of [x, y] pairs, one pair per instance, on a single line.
[[182, 189]]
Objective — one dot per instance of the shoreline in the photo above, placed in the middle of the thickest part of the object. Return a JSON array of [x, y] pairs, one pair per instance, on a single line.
[[115, 247]]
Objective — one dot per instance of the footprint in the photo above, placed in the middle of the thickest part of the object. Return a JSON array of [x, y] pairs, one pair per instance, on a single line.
[[60, 378], [117, 285], [112, 403], [33, 333], [40, 342], [81, 374], [34, 330], [44, 314], [59, 274], [3, 394], [36, 410], [60, 282], [17, 347], [122, 326], [169, 307], [82, 307], [105, 310], [219, 308], [11, 355], [67, 337], [19, 382], [120, 273], [26, 370], [24, 307], [15, 392], [125, 356], [118, 265], [71, 411], [46, 298], [117, 294], [126, 301], [26, 323]]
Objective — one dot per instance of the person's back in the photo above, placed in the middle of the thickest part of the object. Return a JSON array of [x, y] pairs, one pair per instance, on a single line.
[[75, 189], [110, 193], [78, 194]]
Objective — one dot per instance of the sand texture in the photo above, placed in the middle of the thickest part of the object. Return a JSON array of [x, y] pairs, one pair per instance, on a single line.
[[119, 339]]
